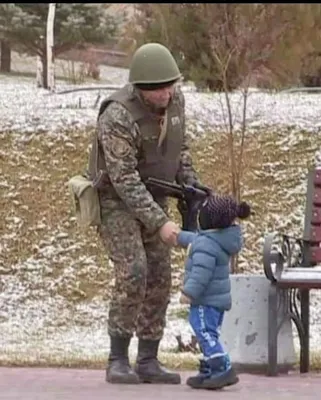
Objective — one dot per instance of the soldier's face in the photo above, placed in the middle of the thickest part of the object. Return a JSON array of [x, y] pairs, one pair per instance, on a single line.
[[159, 97]]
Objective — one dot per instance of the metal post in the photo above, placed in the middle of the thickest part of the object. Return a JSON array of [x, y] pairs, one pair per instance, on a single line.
[[305, 318], [272, 369]]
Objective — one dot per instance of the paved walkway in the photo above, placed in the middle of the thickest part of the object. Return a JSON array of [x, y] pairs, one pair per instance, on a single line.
[[67, 384]]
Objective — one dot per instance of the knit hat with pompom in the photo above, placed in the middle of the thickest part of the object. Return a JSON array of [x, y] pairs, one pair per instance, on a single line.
[[219, 212]]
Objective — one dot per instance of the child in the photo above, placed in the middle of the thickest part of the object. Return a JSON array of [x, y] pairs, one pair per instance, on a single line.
[[207, 286]]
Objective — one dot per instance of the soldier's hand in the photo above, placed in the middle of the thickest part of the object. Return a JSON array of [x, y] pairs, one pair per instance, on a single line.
[[168, 232], [200, 186]]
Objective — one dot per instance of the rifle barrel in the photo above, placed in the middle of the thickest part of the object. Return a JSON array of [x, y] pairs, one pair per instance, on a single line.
[[176, 190]]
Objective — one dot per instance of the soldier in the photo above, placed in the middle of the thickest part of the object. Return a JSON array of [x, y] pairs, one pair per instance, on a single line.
[[141, 134]]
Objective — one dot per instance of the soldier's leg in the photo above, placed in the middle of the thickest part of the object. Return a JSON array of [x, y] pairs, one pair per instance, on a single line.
[[121, 235], [152, 317]]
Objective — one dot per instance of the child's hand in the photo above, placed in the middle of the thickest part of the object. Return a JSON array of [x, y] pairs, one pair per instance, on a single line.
[[184, 299], [176, 234]]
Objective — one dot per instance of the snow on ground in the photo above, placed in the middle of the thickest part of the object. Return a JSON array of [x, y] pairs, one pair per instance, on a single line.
[[26, 111], [36, 110], [56, 334]]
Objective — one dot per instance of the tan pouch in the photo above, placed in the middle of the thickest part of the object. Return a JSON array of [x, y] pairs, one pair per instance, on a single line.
[[85, 200]]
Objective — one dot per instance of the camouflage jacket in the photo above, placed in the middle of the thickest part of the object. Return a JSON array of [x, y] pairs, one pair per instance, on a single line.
[[121, 142]]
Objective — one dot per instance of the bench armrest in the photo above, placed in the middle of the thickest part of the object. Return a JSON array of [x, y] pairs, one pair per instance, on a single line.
[[281, 252]]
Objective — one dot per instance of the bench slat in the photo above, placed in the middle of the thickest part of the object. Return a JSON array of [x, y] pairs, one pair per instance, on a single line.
[[303, 270], [317, 177], [301, 278], [316, 216], [317, 196], [315, 254], [316, 234], [298, 284]]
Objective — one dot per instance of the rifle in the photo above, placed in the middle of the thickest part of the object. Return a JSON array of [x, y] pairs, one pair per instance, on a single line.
[[189, 199]]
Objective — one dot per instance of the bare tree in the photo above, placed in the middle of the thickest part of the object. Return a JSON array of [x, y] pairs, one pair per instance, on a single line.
[[230, 47], [243, 40], [24, 25], [5, 56], [39, 69], [50, 45]]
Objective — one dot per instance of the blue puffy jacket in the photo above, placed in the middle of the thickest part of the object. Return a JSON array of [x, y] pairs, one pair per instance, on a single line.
[[207, 269]]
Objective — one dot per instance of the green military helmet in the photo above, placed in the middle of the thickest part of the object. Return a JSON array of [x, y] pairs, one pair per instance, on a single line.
[[153, 63]]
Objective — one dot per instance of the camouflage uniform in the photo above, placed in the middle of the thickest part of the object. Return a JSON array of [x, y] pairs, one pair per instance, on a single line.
[[129, 150], [129, 230]]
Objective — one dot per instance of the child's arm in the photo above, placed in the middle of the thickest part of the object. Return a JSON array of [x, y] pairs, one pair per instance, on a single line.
[[203, 266], [184, 238]]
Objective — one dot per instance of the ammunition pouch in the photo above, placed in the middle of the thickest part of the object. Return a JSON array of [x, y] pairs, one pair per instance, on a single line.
[[85, 200]]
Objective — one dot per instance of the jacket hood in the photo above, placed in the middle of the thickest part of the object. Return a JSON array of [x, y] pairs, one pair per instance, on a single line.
[[229, 239]]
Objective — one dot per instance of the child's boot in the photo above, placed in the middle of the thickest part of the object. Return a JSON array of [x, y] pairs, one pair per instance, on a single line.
[[196, 381], [222, 374]]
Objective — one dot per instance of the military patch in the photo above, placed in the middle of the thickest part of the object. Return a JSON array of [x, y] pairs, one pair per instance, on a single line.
[[119, 147], [175, 120]]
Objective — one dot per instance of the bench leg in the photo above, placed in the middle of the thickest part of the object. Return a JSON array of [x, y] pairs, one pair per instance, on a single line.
[[305, 340], [272, 369]]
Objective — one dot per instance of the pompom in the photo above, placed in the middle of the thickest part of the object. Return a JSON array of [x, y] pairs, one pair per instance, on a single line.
[[244, 210]]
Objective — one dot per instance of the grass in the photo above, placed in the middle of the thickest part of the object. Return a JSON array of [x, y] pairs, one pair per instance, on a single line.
[[39, 228], [41, 200], [176, 361], [37, 171], [179, 361]]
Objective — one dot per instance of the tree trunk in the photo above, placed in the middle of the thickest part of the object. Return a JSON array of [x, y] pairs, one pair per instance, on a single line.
[[39, 72], [44, 71], [49, 45], [5, 60]]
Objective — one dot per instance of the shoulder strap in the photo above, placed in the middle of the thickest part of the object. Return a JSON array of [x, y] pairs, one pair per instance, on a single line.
[[162, 134], [93, 156]]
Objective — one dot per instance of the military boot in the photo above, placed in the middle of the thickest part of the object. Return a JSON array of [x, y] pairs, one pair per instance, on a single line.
[[118, 369], [149, 369], [222, 374]]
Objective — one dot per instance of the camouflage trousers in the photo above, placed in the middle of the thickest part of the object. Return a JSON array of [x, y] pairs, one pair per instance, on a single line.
[[142, 273]]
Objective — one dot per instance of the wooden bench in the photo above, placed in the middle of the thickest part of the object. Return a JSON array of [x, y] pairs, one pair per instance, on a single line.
[[291, 265]]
